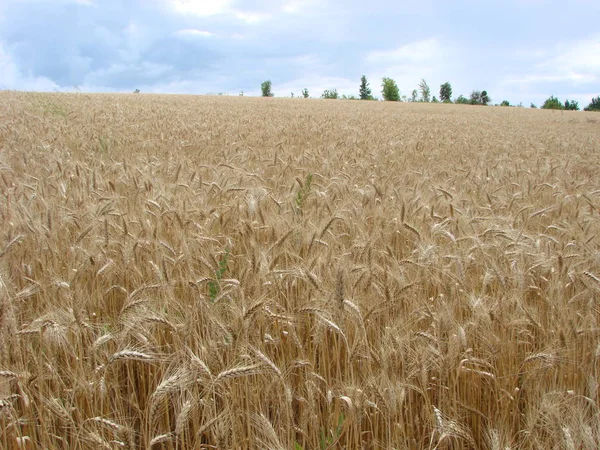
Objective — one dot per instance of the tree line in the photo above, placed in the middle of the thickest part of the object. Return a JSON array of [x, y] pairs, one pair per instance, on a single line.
[[391, 92]]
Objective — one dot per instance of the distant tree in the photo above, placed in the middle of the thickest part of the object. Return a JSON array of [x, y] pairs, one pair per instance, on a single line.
[[265, 87], [571, 105], [425, 91], [389, 90], [446, 92], [479, 98], [485, 99], [330, 94], [462, 100], [364, 91], [305, 93], [594, 105], [350, 97], [552, 103], [241, 93], [414, 95], [533, 106], [292, 95], [505, 103], [434, 100], [137, 91]]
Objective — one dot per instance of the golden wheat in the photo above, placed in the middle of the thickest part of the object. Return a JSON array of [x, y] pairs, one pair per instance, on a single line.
[[187, 272]]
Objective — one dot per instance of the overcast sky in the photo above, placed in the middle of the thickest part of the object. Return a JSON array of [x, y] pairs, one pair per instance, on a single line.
[[518, 50]]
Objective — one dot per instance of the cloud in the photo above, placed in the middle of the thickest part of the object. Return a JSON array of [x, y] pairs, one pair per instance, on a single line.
[[123, 76], [204, 9], [569, 69], [576, 62], [579, 57], [251, 17], [12, 78], [571, 77], [298, 6], [414, 52], [193, 32], [201, 8]]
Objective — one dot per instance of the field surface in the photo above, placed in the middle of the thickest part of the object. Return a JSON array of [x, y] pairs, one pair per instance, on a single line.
[[181, 272]]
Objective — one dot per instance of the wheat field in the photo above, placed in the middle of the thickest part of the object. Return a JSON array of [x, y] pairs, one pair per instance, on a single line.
[[182, 272]]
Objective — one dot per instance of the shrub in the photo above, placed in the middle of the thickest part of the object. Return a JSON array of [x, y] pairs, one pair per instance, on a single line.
[[571, 105], [594, 105], [330, 94], [552, 103]]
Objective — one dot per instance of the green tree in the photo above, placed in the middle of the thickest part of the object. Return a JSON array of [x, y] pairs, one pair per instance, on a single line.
[[594, 105], [330, 94], [434, 100], [533, 106], [425, 91], [414, 95], [446, 92], [265, 87], [479, 98], [389, 90], [364, 90], [485, 98], [571, 105], [462, 100], [305, 93], [552, 103], [505, 103]]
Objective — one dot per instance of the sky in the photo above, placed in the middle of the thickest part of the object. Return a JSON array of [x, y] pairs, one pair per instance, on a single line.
[[517, 50]]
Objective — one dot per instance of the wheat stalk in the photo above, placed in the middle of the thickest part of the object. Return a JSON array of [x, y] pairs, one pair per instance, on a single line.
[[114, 209]]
